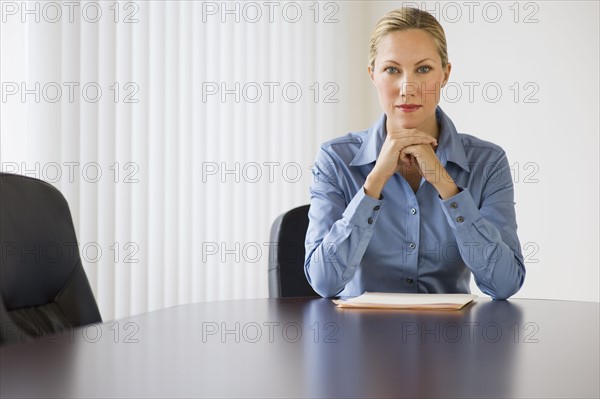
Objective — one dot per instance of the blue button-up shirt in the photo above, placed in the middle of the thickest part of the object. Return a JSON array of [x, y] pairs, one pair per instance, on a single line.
[[407, 241]]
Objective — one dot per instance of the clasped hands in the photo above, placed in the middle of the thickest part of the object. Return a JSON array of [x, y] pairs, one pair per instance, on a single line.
[[405, 150]]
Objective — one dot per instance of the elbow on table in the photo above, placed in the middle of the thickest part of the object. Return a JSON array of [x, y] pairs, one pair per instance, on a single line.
[[324, 288], [506, 291], [326, 292], [502, 295], [321, 286]]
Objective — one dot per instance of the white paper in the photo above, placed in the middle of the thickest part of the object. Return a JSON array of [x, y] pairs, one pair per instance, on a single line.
[[408, 301]]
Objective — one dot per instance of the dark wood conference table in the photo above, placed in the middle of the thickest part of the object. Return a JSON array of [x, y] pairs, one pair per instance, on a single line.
[[301, 347]]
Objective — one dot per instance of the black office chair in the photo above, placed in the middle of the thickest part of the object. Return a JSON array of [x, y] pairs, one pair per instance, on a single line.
[[286, 262], [43, 287]]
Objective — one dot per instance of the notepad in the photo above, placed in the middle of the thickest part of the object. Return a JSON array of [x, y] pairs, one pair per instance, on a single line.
[[385, 300]]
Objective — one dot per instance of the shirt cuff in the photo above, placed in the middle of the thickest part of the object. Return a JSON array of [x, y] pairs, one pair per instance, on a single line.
[[363, 210], [461, 210]]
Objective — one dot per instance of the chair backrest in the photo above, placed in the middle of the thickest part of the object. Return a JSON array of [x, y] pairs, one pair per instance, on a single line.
[[43, 286], [286, 260]]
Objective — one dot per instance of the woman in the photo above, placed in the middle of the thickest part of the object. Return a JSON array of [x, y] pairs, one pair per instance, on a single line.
[[410, 205]]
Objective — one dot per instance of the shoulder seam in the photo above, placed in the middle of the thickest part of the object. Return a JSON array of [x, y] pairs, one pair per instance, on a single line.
[[479, 143], [350, 138]]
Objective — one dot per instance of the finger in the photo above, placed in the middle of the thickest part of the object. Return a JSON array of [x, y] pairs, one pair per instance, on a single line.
[[409, 133], [399, 145], [403, 134], [420, 153], [404, 141], [406, 158]]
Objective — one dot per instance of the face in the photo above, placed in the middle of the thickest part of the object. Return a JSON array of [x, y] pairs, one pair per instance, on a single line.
[[408, 75]]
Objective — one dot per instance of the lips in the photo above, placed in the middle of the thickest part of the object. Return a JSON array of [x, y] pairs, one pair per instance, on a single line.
[[408, 107]]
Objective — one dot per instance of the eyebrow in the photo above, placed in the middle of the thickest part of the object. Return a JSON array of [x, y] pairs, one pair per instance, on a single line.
[[418, 62]]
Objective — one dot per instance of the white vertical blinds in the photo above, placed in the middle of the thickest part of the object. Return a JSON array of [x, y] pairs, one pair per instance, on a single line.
[[191, 126]]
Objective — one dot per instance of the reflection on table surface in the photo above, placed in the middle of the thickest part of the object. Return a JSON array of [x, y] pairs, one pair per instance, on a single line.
[[302, 347]]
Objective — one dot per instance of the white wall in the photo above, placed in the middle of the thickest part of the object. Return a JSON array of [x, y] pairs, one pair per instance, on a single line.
[[551, 137]]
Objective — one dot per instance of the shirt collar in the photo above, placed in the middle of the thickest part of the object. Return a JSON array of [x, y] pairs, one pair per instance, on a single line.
[[370, 148], [450, 148]]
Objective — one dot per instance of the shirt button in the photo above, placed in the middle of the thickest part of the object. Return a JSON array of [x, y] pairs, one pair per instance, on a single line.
[[377, 207], [412, 245], [454, 205], [370, 221], [413, 211], [409, 280], [460, 219]]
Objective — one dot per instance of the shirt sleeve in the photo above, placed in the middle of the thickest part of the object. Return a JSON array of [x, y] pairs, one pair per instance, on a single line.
[[487, 234], [338, 231]]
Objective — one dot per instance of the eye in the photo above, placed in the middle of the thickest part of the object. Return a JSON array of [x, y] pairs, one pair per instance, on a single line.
[[423, 69], [391, 70]]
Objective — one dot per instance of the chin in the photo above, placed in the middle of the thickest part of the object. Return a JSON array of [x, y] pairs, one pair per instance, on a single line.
[[409, 126], [405, 122]]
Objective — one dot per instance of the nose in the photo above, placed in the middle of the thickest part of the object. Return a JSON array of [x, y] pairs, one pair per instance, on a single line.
[[408, 85]]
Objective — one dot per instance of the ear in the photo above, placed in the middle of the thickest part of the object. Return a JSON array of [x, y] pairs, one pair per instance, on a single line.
[[446, 74], [371, 73]]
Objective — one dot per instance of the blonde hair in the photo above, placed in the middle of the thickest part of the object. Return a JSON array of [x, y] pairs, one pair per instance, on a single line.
[[408, 18]]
